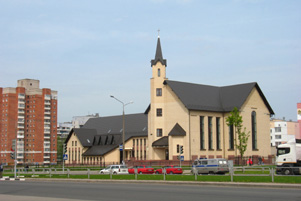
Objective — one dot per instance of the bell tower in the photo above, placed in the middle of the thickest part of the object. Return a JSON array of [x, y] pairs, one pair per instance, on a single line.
[[156, 118]]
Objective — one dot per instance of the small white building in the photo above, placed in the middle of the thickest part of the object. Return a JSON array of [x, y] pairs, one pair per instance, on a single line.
[[79, 121], [63, 129], [282, 131]]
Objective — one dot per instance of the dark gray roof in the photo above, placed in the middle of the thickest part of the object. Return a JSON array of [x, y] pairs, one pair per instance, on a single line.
[[177, 131], [162, 142], [158, 56], [211, 98], [103, 134], [85, 135], [135, 125]]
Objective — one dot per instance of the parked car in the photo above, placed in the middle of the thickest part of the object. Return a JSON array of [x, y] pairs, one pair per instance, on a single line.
[[142, 170], [171, 169], [115, 169]]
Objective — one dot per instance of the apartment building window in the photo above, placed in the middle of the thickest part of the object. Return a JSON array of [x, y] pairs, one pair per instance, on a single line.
[[231, 137], [159, 112], [278, 129], [159, 132], [218, 134], [277, 136], [202, 137], [159, 91], [210, 144], [254, 131]]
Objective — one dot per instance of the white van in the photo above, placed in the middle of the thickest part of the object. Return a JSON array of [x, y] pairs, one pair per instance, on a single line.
[[210, 166], [115, 169]]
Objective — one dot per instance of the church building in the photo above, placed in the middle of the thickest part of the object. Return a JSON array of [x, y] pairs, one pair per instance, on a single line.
[[194, 116], [180, 114]]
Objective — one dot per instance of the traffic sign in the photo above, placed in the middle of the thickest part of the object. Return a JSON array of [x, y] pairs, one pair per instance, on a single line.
[[65, 157], [182, 158], [120, 147]]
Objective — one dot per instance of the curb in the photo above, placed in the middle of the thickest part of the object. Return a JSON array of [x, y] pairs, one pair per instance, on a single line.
[[11, 179]]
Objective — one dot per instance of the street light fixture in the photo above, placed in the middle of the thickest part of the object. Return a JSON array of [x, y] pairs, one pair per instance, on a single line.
[[123, 125]]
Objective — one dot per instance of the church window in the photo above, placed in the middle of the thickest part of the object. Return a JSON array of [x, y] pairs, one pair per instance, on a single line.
[[210, 140], [218, 134], [202, 137], [159, 91], [159, 132], [254, 131], [159, 72], [231, 137], [159, 112]]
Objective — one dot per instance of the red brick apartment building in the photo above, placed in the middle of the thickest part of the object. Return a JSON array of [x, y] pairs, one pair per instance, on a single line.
[[28, 119]]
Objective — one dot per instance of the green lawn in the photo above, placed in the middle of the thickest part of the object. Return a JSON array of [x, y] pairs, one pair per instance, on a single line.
[[214, 178]]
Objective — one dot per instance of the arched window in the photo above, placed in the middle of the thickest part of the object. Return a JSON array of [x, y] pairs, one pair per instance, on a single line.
[[254, 131], [159, 72]]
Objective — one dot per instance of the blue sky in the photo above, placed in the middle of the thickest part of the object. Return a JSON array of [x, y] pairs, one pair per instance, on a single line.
[[88, 50]]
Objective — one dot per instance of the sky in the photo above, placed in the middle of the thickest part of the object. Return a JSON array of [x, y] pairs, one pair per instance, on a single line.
[[89, 50]]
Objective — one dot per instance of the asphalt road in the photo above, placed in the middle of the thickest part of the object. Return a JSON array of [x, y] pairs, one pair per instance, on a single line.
[[111, 191]]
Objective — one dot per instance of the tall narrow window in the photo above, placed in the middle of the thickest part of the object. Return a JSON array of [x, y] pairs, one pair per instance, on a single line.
[[231, 137], [178, 148], [210, 144], [254, 131], [218, 135], [159, 72], [159, 132], [202, 137]]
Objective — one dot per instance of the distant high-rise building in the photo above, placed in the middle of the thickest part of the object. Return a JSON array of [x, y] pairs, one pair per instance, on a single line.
[[28, 119]]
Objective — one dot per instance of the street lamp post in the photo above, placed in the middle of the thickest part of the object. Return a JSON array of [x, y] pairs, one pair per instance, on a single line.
[[123, 125]]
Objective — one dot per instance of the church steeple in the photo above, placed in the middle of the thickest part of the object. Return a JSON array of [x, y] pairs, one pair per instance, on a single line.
[[158, 56]]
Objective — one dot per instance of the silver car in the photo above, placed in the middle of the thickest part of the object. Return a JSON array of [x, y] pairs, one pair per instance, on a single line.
[[115, 169]]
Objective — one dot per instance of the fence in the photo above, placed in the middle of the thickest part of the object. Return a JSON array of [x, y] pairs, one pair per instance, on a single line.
[[188, 176]]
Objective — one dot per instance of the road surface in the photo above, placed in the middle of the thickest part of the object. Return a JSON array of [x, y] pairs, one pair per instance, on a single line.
[[113, 191]]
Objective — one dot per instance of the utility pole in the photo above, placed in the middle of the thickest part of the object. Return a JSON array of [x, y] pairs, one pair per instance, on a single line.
[[64, 152]]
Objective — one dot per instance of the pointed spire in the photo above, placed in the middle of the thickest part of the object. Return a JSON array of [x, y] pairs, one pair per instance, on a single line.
[[158, 56]]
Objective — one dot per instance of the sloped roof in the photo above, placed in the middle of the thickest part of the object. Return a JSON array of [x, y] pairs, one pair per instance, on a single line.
[[103, 134], [99, 150], [211, 98], [85, 135], [135, 125], [177, 130], [162, 142]]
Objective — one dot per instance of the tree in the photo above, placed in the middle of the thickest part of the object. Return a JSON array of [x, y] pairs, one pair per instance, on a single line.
[[236, 121]]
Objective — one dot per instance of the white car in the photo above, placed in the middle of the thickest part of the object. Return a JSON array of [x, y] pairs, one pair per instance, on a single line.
[[115, 169]]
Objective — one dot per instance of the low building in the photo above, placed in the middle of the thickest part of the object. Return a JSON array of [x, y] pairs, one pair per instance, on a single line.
[[97, 142]]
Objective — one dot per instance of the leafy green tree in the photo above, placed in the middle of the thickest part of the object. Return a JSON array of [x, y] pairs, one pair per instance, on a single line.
[[235, 120]]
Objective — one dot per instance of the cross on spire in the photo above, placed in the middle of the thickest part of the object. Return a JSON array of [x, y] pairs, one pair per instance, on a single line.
[[158, 33]]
